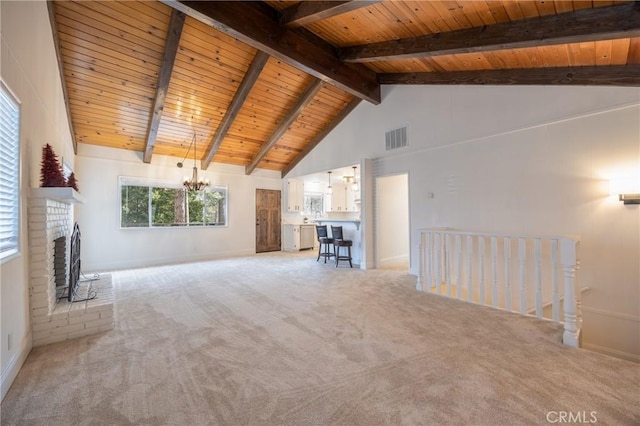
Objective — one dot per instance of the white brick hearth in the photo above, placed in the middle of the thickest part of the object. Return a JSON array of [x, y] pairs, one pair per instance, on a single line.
[[51, 321]]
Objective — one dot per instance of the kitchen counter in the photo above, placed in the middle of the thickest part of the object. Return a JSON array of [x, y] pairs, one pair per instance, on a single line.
[[339, 221]]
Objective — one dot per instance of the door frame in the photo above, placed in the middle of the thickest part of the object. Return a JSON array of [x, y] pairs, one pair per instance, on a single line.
[[381, 200]]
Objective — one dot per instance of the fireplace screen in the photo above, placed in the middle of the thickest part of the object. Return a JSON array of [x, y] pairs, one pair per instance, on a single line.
[[74, 263]]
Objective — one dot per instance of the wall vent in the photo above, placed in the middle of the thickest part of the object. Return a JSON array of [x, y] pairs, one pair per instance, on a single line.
[[395, 139]]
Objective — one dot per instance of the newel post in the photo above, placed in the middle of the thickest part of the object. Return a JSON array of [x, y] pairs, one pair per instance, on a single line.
[[572, 308]]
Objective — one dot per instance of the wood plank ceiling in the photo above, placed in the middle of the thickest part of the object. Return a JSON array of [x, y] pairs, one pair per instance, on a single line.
[[260, 84]]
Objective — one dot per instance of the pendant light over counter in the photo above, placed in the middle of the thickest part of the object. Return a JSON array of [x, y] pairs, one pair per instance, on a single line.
[[354, 185]]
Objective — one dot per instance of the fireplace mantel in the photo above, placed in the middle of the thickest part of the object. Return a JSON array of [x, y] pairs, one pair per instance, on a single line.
[[62, 194]]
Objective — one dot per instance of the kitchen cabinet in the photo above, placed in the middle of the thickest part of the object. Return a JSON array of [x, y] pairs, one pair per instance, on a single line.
[[295, 195], [342, 199], [298, 237], [338, 198], [307, 236], [352, 203]]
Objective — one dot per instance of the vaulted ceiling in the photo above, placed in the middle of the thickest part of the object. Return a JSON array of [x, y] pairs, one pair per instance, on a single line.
[[260, 84]]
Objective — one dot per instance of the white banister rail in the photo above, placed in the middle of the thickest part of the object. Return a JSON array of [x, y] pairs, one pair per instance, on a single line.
[[517, 273]]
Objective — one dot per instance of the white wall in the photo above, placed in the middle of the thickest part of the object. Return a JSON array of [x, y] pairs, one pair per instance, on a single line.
[[28, 65], [518, 159], [105, 246], [392, 219]]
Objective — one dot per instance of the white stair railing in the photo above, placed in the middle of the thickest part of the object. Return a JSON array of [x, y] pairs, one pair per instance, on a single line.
[[520, 273]]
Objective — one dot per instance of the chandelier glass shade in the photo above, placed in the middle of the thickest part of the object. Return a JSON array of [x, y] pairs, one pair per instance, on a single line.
[[354, 184], [329, 187]]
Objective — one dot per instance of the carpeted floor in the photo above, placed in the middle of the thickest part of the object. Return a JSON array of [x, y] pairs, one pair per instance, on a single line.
[[278, 339]]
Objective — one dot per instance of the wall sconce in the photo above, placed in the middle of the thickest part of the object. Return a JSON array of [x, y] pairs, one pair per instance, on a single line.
[[627, 190]]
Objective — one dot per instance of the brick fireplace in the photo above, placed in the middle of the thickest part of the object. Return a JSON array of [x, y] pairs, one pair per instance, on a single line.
[[53, 320]]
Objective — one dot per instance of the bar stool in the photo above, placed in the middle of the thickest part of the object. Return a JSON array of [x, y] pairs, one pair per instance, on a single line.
[[338, 243], [323, 239]]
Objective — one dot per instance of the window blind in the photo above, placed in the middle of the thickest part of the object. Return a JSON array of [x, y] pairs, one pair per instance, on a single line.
[[9, 172]]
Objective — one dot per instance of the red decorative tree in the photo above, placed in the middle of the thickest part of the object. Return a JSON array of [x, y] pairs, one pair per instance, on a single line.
[[72, 182], [50, 170]]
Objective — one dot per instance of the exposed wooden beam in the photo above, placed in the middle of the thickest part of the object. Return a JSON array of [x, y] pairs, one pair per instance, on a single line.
[[321, 135], [308, 12], [304, 100], [63, 80], [633, 57], [255, 24], [245, 87], [616, 75], [166, 68], [600, 23]]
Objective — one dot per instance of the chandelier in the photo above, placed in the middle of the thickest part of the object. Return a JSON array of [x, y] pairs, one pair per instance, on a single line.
[[352, 180], [193, 184]]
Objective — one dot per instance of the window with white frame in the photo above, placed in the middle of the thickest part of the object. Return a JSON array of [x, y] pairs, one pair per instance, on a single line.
[[314, 203], [151, 204], [9, 173]]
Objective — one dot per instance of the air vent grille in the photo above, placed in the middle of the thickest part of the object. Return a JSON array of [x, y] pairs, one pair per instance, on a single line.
[[395, 139]]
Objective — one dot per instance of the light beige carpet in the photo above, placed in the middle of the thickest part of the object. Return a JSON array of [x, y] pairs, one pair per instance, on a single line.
[[278, 339]]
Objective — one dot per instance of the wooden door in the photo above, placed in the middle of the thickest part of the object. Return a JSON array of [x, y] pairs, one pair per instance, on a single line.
[[268, 211]]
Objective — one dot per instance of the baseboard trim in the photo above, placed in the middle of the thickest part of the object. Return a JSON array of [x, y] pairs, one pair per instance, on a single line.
[[13, 368], [612, 352], [610, 314], [394, 259], [174, 260]]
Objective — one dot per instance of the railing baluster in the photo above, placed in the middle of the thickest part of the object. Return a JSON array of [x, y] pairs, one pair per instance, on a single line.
[[481, 269], [494, 272], [578, 292], [429, 259], [522, 258], [421, 263], [554, 281], [537, 254], [572, 314], [507, 273], [447, 263], [459, 267], [436, 261], [469, 268], [427, 263]]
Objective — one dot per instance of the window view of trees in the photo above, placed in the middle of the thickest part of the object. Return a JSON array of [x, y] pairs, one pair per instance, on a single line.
[[135, 206], [167, 206], [145, 206]]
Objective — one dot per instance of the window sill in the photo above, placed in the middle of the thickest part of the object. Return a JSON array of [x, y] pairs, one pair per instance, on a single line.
[[9, 256]]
